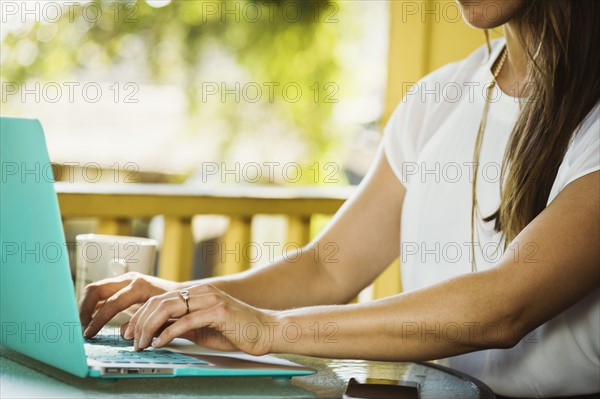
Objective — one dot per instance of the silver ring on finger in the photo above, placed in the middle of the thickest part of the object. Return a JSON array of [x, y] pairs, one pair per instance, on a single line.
[[185, 297]]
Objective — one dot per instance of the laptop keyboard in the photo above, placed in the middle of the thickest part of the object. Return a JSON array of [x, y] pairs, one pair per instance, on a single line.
[[111, 349]]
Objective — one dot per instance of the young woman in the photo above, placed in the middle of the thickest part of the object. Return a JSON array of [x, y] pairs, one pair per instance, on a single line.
[[487, 186]]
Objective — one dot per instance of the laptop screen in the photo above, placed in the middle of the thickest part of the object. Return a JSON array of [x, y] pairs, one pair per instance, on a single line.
[[38, 313]]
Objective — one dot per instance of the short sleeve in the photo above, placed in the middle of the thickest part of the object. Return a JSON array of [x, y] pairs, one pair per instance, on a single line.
[[582, 156], [415, 119], [399, 140], [425, 108]]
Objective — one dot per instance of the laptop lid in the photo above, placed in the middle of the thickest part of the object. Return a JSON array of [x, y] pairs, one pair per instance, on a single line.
[[38, 313]]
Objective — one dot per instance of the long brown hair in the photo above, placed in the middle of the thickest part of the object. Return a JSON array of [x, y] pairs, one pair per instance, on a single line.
[[561, 41]]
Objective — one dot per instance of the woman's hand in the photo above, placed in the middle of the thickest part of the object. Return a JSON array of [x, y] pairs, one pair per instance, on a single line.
[[102, 300], [215, 320]]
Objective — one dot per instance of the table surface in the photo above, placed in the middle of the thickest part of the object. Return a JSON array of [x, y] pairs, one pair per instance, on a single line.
[[23, 377]]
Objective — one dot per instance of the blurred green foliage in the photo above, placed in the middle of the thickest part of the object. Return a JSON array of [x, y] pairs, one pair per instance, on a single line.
[[275, 41]]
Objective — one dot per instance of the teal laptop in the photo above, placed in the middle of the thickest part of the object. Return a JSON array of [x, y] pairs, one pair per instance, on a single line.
[[38, 312]]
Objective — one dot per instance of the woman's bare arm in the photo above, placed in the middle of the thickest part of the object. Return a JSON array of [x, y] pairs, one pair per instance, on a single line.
[[495, 308], [489, 309], [354, 248]]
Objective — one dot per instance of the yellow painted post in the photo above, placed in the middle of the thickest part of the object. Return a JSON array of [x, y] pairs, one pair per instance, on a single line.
[[234, 249], [406, 53], [114, 226], [298, 231], [176, 254], [389, 282], [424, 35]]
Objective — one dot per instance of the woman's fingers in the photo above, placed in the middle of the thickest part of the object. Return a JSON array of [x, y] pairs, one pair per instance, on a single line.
[[187, 323], [223, 326], [139, 318], [160, 309], [191, 335], [166, 309], [212, 312], [137, 322], [95, 293], [121, 300]]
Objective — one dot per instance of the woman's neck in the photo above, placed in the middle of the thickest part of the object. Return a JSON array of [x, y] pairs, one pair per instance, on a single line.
[[512, 77]]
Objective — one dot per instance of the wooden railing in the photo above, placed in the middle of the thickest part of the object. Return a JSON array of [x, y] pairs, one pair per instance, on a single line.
[[116, 205]]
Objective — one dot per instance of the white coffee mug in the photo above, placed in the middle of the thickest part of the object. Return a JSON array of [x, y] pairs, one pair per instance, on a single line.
[[103, 256]]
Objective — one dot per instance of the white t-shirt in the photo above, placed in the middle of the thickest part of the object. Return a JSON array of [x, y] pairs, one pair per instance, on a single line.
[[429, 144]]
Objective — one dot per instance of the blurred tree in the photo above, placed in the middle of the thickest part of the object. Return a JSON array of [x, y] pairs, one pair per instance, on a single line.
[[276, 41]]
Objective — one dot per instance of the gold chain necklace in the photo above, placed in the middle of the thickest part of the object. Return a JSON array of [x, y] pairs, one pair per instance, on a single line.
[[477, 150]]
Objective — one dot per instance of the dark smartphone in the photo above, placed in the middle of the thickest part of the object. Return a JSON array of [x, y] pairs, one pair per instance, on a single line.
[[387, 389]]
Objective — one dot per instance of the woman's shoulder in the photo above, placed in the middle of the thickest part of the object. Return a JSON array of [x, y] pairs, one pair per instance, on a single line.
[[583, 154], [590, 126], [586, 140], [435, 92], [430, 101], [468, 68]]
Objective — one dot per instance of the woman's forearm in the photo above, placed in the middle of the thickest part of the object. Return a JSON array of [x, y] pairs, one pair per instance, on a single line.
[[494, 308], [296, 280], [341, 261], [454, 317]]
